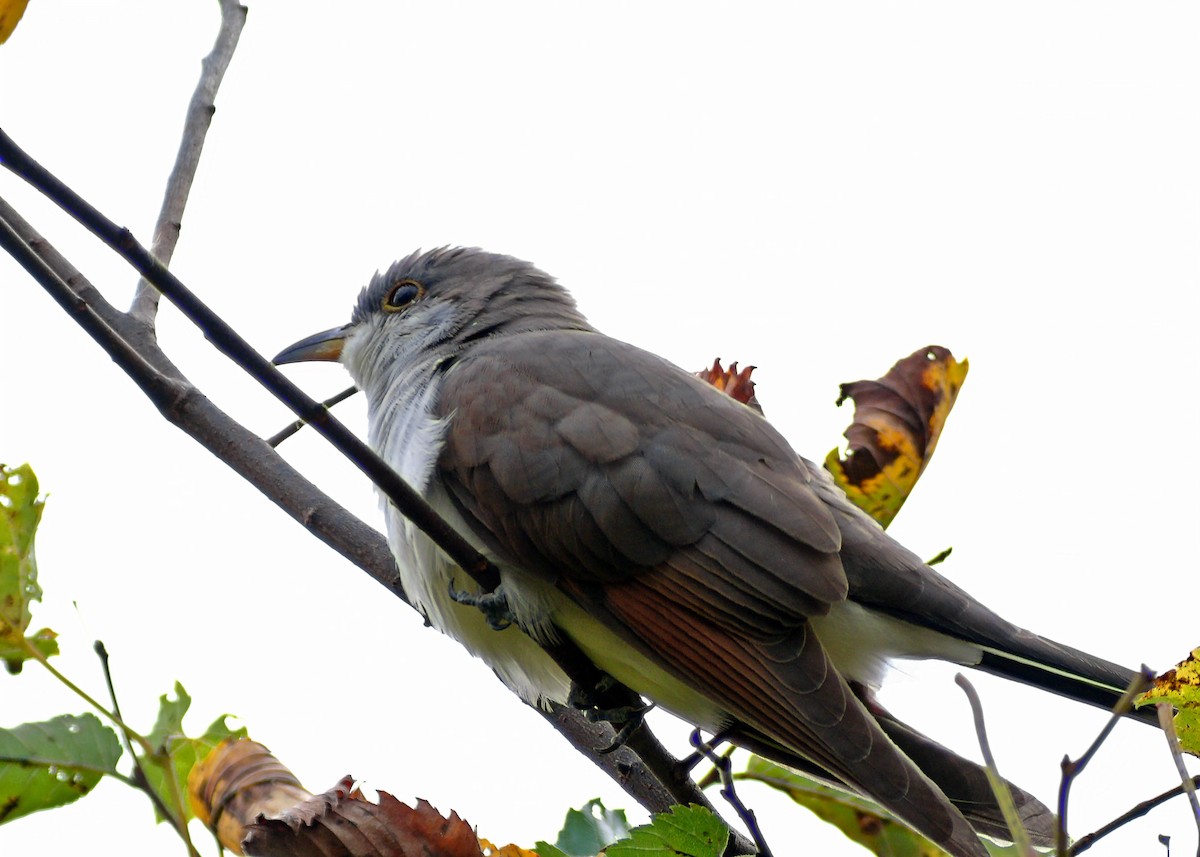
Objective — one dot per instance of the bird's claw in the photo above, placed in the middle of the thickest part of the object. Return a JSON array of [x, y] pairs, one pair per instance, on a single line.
[[493, 606], [624, 718]]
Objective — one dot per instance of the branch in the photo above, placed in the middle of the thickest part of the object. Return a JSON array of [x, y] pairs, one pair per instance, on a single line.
[[1008, 809], [195, 129], [1071, 770], [132, 345], [228, 342]]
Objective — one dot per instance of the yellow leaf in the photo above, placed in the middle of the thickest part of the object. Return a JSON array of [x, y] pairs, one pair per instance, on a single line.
[[491, 850], [10, 13], [1180, 688], [897, 422]]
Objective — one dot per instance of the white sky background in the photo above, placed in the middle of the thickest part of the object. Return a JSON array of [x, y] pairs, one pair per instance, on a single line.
[[817, 189]]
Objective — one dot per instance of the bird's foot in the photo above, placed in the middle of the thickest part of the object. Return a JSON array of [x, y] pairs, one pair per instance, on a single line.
[[630, 719], [609, 701], [493, 605]]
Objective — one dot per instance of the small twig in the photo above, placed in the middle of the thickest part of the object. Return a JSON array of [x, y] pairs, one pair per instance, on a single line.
[[195, 128], [999, 787], [724, 769], [283, 434], [139, 779], [32, 651], [1072, 769], [232, 345], [132, 346], [1166, 721], [1083, 843]]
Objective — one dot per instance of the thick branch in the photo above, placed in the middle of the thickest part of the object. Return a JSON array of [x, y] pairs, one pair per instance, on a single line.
[[195, 129], [132, 345]]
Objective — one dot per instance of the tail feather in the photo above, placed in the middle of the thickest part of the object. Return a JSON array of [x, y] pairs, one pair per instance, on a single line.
[[1063, 671]]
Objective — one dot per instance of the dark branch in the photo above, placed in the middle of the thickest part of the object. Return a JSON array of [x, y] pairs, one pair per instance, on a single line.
[[131, 343], [228, 342]]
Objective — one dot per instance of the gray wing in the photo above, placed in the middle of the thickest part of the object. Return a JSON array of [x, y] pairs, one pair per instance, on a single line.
[[686, 523], [888, 577]]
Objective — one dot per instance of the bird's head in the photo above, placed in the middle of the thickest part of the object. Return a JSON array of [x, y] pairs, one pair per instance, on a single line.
[[431, 304]]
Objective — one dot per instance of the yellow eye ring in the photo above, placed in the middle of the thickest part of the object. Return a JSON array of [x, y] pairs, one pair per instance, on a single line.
[[401, 295]]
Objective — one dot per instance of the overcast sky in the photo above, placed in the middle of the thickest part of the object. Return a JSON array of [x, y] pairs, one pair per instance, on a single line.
[[817, 189]]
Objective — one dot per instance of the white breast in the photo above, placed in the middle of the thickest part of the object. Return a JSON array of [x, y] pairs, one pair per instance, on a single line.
[[408, 436]]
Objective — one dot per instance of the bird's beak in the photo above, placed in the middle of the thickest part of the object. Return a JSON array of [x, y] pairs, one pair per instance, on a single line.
[[326, 345]]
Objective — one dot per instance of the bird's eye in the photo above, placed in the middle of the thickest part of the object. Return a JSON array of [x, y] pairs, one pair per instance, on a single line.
[[402, 294]]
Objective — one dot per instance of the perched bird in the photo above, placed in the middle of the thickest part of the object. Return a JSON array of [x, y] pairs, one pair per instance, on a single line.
[[672, 534]]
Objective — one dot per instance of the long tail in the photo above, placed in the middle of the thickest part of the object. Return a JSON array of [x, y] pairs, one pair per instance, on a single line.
[[1037, 661]]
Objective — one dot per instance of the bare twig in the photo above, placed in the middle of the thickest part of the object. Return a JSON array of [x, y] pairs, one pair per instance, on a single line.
[[139, 779], [228, 342], [1166, 720], [1083, 843], [283, 434], [132, 345], [999, 787], [1072, 769], [723, 770], [195, 128]]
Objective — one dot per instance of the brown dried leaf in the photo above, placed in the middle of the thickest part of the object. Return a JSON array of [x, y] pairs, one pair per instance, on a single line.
[[897, 421], [238, 782], [342, 823], [735, 384]]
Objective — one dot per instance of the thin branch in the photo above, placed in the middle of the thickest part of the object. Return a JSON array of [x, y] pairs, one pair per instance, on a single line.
[[139, 779], [228, 342], [1166, 721], [1083, 843], [1072, 769], [249, 456], [33, 652], [999, 787], [195, 128], [724, 771], [284, 433]]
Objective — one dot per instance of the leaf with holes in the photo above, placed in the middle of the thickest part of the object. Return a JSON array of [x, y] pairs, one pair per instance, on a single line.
[[53, 763], [20, 512], [1180, 688], [586, 831], [177, 753], [897, 422]]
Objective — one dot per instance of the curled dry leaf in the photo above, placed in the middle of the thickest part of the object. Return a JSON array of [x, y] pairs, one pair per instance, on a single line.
[[239, 781], [897, 421], [732, 382], [343, 822], [256, 806]]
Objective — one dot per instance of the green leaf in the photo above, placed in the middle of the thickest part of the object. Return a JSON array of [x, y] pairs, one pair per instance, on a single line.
[[545, 849], [1180, 687], [14, 655], [177, 753], [20, 512], [686, 831], [587, 830], [50, 764]]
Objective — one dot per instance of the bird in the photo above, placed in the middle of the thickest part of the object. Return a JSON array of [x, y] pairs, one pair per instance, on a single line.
[[672, 535]]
